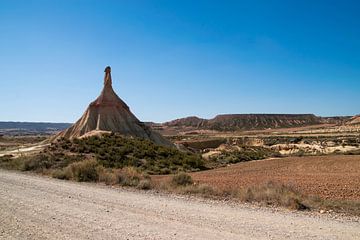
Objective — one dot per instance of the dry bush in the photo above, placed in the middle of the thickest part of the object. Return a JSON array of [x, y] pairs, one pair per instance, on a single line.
[[144, 184], [36, 163], [84, 171], [107, 176], [128, 176], [61, 174], [273, 194], [181, 179], [9, 162]]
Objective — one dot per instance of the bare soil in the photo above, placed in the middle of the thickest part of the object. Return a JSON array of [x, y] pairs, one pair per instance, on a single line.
[[329, 177]]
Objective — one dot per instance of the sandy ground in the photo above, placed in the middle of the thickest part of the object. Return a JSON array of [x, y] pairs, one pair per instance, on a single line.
[[34, 207], [331, 177], [23, 150]]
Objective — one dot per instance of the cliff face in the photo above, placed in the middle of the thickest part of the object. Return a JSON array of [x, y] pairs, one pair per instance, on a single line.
[[233, 122], [108, 113]]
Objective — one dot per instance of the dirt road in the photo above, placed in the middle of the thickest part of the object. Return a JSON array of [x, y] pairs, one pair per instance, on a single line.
[[33, 207]]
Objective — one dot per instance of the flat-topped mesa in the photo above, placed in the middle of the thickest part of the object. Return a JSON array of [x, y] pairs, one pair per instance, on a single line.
[[108, 113]]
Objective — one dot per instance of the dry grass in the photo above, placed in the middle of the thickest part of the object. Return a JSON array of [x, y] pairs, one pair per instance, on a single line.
[[128, 177], [145, 184], [202, 190], [108, 177], [273, 194], [340, 206], [268, 194], [8, 162]]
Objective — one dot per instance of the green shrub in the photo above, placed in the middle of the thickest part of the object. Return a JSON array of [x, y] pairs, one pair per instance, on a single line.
[[36, 163], [245, 154], [116, 151], [181, 179]]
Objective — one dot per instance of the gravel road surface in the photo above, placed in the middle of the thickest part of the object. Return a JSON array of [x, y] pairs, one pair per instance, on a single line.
[[35, 207]]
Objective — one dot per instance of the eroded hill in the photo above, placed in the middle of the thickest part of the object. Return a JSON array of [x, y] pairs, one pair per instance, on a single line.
[[233, 122]]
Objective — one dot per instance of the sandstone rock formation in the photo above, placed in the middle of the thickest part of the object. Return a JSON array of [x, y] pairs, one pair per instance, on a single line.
[[355, 120], [233, 122], [108, 113]]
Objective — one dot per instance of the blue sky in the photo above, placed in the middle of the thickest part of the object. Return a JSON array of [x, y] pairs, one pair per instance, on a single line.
[[172, 59]]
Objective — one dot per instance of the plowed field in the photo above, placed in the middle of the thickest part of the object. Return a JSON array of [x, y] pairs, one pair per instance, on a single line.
[[330, 177]]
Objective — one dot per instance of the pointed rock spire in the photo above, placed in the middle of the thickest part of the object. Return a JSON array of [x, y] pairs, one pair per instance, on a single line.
[[108, 113], [107, 77]]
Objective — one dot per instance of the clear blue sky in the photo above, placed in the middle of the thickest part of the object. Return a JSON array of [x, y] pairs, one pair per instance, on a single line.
[[172, 59]]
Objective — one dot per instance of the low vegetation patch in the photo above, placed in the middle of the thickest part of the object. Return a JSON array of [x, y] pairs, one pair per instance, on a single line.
[[8, 162], [115, 151], [65, 158], [273, 194], [268, 194], [245, 154], [112, 159], [340, 206], [84, 171], [91, 171], [181, 179]]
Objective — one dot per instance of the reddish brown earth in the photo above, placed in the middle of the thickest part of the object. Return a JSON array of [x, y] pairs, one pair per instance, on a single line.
[[330, 177]]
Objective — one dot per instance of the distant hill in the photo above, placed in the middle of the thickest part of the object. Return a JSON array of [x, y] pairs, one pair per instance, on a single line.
[[232, 122], [23, 128], [225, 122]]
